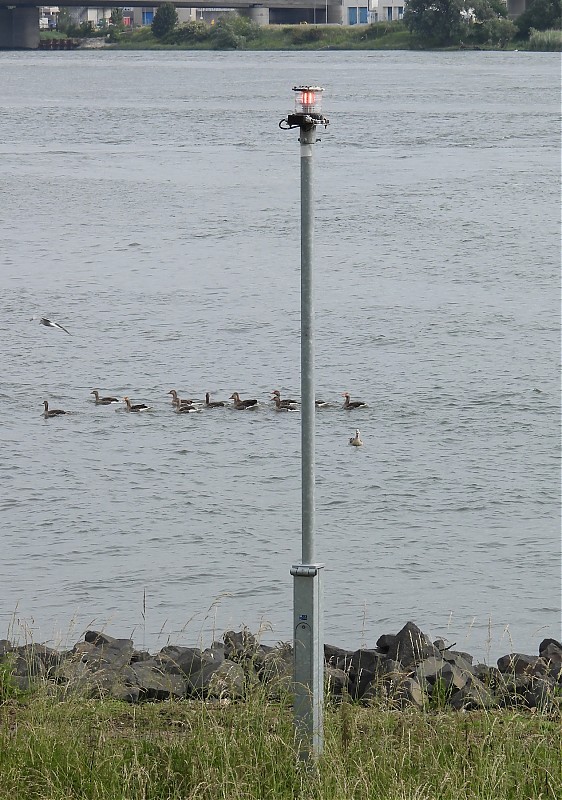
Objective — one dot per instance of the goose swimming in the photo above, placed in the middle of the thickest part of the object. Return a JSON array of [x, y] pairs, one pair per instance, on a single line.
[[103, 401], [242, 405], [356, 440], [215, 404], [135, 407], [280, 406], [349, 405], [292, 404], [176, 399], [55, 412], [187, 408]]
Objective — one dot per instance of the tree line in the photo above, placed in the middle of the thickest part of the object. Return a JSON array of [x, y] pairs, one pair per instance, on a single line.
[[437, 22]]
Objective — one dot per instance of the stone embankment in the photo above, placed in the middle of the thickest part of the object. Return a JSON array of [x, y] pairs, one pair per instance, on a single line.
[[404, 669], [59, 44]]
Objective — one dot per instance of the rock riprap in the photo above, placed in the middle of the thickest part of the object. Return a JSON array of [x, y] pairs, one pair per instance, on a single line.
[[403, 669]]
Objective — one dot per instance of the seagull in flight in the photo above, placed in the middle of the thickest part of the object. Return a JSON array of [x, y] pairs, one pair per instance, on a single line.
[[50, 324]]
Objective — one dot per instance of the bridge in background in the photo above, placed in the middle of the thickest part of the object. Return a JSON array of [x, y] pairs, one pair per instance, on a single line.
[[19, 21]]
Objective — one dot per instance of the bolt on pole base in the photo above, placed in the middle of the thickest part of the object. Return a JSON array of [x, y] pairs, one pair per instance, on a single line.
[[308, 659]]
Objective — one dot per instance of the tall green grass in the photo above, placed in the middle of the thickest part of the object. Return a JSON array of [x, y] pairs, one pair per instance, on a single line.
[[104, 750], [545, 40]]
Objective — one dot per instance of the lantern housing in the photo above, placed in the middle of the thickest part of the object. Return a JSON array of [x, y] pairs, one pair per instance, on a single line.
[[308, 99]]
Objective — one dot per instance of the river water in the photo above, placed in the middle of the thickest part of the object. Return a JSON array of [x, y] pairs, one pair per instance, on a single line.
[[150, 204]]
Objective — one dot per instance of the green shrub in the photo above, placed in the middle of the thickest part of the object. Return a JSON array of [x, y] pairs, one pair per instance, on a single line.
[[495, 32], [165, 20], [232, 32], [540, 15], [190, 33], [306, 34]]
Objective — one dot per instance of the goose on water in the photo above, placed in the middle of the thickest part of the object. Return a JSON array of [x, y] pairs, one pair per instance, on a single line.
[[211, 404], [292, 404], [135, 407], [186, 408], [177, 401], [356, 440], [349, 405], [242, 405], [54, 412], [103, 401], [279, 406]]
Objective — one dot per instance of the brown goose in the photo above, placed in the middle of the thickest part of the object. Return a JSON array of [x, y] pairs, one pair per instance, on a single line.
[[242, 405], [186, 408], [356, 440], [55, 412], [177, 401], [137, 407], [103, 401], [349, 405], [216, 404], [292, 404], [279, 406]]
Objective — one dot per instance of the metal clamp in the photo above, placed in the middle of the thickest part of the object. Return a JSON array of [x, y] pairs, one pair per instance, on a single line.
[[305, 570]]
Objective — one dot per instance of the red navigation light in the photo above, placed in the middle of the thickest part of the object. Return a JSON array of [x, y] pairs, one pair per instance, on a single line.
[[308, 99]]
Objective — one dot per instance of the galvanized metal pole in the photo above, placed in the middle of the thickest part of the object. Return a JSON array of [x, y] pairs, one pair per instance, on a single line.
[[308, 604], [307, 587], [307, 141]]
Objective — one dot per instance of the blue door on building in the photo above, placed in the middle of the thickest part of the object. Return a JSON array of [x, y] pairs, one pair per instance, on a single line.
[[363, 15], [147, 17], [352, 16]]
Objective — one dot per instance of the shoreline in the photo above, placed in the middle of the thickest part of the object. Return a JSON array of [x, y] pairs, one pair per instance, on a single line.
[[405, 669]]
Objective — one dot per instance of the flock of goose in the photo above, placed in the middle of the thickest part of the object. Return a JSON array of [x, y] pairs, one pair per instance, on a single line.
[[192, 406], [189, 406]]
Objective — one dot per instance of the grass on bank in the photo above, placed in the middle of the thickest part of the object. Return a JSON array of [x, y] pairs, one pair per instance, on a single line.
[[238, 33], [233, 32], [80, 749], [545, 41]]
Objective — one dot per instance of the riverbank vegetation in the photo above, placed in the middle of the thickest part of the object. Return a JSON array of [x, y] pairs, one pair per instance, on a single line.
[[427, 24], [77, 749]]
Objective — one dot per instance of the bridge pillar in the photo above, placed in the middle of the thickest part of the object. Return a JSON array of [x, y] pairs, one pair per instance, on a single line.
[[5, 28], [19, 28], [256, 13], [336, 14], [25, 28]]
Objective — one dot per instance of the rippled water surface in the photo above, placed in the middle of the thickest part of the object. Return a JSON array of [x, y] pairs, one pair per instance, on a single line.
[[150, 203]]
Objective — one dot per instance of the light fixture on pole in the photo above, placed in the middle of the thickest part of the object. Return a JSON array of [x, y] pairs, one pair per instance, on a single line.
[[307, 585]]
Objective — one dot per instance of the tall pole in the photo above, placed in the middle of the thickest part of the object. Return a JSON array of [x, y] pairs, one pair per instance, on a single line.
[[308, 608], [307, 141]]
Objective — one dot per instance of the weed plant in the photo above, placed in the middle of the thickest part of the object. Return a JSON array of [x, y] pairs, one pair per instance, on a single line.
[[80, 749], [238, 33], [545, 40]]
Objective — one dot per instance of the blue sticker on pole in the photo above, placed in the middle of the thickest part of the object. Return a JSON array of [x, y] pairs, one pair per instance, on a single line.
[[303, 616]]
